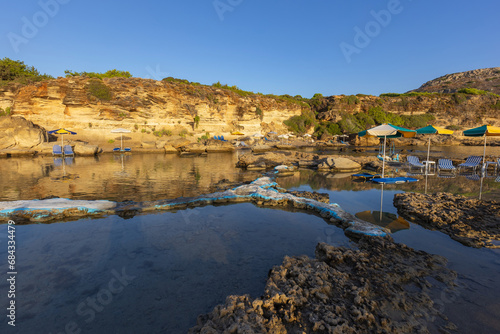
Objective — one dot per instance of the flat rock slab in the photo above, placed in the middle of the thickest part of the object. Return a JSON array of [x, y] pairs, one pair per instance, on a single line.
[[472, 222], [262, 192]]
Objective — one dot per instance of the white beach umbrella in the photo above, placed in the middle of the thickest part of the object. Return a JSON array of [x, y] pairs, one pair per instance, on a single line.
[[121, 131]]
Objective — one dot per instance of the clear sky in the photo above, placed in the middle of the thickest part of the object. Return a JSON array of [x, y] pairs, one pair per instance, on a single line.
[[273, 46]]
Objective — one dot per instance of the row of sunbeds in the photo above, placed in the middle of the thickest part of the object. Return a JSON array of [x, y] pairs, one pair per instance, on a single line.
[[66, 150], [472, 162]]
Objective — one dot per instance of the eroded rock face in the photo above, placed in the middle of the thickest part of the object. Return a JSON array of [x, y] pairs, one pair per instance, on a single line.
[[19, 132], [472, 222], [383, 287]]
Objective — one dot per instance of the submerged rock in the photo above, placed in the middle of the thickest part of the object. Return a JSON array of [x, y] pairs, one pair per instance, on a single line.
[[472, 222], [381, 288]]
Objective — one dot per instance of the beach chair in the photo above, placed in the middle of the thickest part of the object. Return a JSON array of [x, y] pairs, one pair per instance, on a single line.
[[127, 149], [222, 138], [446, 165], [116, 149], [56, 150], [471, 162], [68, 150], [413, 161], [495, 164], [215, 137]]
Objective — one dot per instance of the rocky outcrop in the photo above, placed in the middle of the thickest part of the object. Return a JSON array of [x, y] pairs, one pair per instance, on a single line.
[[20, 133], [305, 160], [383, 287], [487, 79], [144, 105], [472, 222]]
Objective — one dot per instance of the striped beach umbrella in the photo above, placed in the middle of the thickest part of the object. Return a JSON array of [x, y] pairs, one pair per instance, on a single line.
[[61, 132], [430, 130]]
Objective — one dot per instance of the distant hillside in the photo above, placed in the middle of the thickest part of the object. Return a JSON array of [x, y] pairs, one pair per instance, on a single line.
[[487, 79]]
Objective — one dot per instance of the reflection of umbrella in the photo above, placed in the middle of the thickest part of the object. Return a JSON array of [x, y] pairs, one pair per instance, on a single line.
[[272, 133], [62, 132], [485, 130], [384, 219], [387, 131], [121, 132], [431, 129]]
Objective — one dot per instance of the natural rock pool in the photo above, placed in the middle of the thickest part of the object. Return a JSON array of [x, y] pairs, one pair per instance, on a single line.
[[158, 272]]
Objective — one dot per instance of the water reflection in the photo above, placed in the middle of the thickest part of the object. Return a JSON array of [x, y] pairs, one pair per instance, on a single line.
[[118, 177]]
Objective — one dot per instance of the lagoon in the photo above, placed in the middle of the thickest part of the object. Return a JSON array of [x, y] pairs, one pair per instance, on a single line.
[[177, 265]]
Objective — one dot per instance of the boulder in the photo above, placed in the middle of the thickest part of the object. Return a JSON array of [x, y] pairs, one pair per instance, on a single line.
[[18, 132], [148, 144], [261, 148], [219, 146], [85, 149], [339, 164], [194, 148], [169, 149]]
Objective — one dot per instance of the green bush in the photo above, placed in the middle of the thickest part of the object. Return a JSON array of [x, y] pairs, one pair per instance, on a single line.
[[196, 121], [108, 74], [301, 124], [5, 112], [390, 95], [453, 127], [472, 91], [458, 98], [350, 100], [98, 89], [259, 113]]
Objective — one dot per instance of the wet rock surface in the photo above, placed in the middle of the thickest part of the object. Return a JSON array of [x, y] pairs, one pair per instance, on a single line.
[[472, 222], [383, 287]]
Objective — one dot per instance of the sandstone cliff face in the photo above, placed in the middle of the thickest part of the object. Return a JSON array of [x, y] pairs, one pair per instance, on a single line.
[[138, 104]]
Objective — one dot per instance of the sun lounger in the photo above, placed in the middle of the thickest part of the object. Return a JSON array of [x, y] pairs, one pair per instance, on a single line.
[[471, 162], [446, 165], [116, 149], [495, 164], [413, 161], [400, 179], [68, 150], [56, 150], [127, 149]]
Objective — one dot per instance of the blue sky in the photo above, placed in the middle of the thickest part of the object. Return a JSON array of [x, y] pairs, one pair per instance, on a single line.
[[280, 46]]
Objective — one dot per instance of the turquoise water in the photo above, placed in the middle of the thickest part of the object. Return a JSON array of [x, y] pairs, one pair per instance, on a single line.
[[156, 273]]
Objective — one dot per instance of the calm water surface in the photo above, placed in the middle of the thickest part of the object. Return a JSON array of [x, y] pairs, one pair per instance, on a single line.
[[155, 273]]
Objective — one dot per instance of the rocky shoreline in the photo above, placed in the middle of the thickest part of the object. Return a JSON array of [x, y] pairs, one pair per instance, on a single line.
[[472, 222], [382, 287]]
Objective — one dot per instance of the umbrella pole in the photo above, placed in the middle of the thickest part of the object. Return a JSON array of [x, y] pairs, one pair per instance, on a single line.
[[484, 152], [428, 154], [121, 141], [383, 157], [381, 201]]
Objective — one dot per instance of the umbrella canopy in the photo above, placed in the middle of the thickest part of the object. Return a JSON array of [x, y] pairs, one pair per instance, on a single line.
[[387, 131], [431, 129], [486, 131], [61, 132], [121, 131]]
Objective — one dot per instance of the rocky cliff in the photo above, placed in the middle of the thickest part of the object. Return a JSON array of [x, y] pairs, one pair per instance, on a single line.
[[93, 107]]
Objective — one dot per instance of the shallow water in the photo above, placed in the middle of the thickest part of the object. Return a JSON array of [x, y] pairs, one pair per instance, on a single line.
[[177, 265]]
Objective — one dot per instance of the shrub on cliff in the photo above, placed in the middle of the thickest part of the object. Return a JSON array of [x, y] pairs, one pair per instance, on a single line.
[[98, 89], [301, 124], [17, 71], [108, 74]]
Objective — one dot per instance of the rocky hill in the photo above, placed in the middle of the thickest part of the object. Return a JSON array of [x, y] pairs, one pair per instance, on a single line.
[[487, 79]]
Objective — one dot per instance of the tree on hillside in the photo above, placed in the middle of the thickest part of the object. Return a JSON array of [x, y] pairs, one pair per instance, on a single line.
[[16, 70]]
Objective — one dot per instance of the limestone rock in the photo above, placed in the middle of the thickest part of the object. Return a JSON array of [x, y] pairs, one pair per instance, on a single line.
[[340, 164], [148, 144], [85, 149], [19, 132], [194, 148], [169, 149], [219, 146]]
